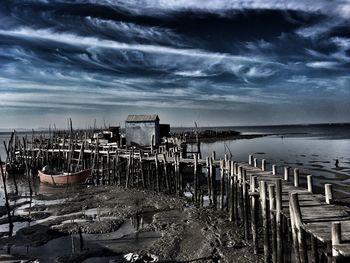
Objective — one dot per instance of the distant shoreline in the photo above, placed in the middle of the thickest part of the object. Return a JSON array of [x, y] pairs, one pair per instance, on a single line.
[[261, 126], [41, 129]]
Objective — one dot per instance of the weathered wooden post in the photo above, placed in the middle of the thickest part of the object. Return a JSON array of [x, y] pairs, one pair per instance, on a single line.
[[250, 162], [255, 162], [263, 165], [235, 170], [152, 143], [236, 193], [213, 187], [264, 208], [227, 184], [157, 173], [286, 173], [103, 180], [72, 242], [254, 212], [166, 173], [231, 193], [309, 184], [328, 193], [119, 173], [274, 169], [7, 205], [198, 146], [27, 166], [272, 205], [97, 163], [142, 171], [213, 155], [240, 193], [81, 243], [279, 230], [314, 250], [336, 238], [176, 174], [245, 202], [114, 164], [127, 179], [209, 179], [296, 177], [195, 176], [300, 235], [222, 179], [108, 167], [294, 231], [201, 198]]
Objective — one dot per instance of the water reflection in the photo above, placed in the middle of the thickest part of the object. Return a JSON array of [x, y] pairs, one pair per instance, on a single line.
[[310, 155]]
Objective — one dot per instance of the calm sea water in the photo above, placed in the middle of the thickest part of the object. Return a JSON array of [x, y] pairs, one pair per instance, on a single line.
[[311, 148]]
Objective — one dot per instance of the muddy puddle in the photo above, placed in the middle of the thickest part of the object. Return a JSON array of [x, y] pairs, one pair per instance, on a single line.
[[130, 236], [22, 210]]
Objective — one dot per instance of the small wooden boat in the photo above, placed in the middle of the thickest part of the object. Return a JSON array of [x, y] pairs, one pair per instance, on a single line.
[[14, 169], [64, 178]]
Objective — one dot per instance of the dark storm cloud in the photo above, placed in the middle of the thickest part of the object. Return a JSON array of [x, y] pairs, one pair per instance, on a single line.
[[84, 57]]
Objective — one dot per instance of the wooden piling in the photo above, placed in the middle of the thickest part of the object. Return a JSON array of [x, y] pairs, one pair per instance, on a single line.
[[157, 173], [254, 213], [209, 180], [296, 177], [272, 205], [328, 193], [314, 249], [274, 169], [250, 160], [195, 177], [297, 220], [142, 171], [286, 173], [7, 205], [213, 184], [309, 184], [294, 232], [245, 202], [222, 181], [81, 240], [263, 165], [127, 178], [279, 229], [231, 193], [236, 193], [264, 211], [336, 238]]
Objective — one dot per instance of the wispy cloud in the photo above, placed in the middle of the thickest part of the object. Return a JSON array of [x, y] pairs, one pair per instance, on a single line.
[[229, 57], [154, 7], [323, 64], [71, 39]]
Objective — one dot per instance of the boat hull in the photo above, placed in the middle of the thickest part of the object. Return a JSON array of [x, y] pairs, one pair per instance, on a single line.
[[65, 179], [14, 170]]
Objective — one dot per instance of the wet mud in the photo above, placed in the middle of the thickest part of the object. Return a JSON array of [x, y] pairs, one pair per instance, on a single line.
[[104, 223]]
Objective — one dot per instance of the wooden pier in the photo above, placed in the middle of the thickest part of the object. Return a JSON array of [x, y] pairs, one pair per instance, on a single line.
[[274, 211]]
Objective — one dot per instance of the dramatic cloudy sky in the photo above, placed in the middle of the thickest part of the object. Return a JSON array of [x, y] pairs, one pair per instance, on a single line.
[[216, 62]]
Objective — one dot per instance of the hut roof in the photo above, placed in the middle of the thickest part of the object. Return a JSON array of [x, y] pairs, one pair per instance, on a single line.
[[142, 118]]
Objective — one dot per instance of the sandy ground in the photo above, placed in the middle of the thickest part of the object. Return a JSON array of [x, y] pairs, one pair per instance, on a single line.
[[168, 227]]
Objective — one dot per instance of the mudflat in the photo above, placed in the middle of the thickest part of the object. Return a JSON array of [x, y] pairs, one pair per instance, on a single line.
[[104, 223]]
